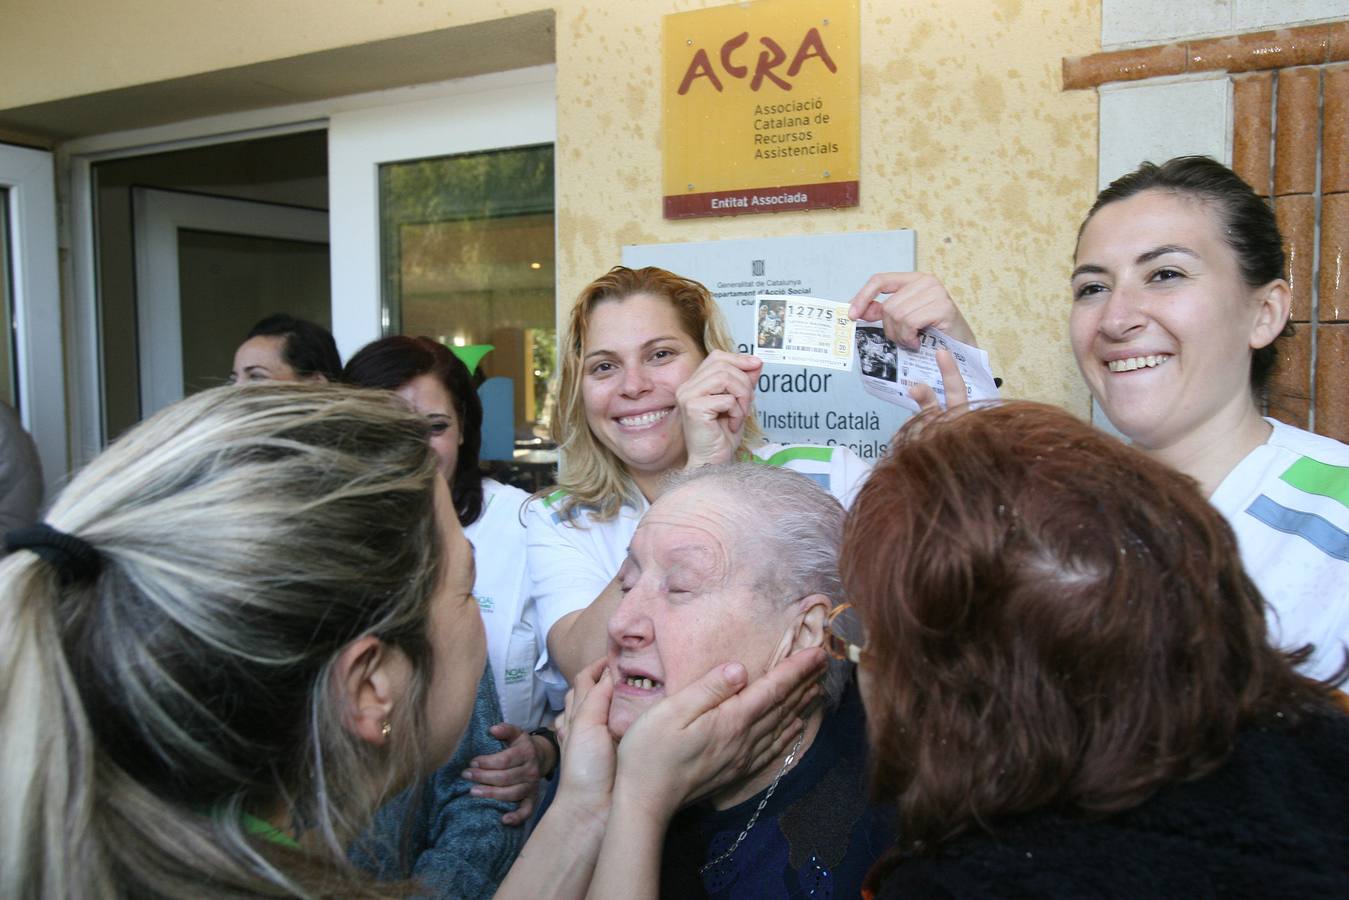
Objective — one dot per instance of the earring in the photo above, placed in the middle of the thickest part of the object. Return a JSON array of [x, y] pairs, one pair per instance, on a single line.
[[386, 730]]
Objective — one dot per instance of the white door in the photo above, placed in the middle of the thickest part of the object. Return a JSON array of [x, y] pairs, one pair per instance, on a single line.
[[35, 373], [510, 109], [169, 226]]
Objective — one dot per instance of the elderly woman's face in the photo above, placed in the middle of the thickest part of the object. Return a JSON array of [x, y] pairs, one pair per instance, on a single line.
[[689, 603]]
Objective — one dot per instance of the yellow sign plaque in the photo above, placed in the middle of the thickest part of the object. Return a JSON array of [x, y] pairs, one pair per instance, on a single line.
[[761, 105]]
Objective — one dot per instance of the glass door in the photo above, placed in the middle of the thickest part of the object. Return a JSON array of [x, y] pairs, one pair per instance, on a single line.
[[442, 225], [466, 245]]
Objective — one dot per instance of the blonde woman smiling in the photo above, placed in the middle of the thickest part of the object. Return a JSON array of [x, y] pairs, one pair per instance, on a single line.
[[649, 385]]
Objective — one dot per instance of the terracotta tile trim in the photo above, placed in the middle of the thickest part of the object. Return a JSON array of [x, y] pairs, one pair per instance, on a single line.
[[1307, 45]]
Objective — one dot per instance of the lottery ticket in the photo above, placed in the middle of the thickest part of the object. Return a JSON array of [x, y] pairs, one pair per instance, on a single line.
[[890, 372], [803, 331]]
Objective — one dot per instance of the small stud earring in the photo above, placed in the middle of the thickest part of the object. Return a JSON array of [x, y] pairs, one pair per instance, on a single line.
[[386, 730]]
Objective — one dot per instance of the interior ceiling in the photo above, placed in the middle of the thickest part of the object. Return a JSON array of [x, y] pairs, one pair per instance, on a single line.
[[509, 43]]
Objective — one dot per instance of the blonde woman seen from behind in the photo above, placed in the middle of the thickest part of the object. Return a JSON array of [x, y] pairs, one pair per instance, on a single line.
[[239, 629], [249, 622]]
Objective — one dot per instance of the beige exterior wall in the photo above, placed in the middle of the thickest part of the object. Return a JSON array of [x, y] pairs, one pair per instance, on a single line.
[[967, 137]]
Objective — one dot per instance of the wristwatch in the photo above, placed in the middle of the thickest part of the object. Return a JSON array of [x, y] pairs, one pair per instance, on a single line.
[[550, 736]]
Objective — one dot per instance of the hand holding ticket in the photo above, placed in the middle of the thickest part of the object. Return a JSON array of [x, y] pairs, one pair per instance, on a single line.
[[890, 372], [803, 331], [810, 331]]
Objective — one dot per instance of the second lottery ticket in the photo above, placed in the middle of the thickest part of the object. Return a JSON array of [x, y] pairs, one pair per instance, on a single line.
[[890, 371], [804, 331]]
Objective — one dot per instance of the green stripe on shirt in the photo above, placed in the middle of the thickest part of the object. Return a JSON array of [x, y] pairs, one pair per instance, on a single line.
[[1314, 477], [268, 831], [782, 457]]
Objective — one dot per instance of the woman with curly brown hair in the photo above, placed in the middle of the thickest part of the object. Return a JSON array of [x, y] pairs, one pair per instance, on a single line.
[[1069, 683]]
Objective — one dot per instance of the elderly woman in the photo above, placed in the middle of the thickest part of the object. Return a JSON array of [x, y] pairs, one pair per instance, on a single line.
[[649, 386], [1179, 300], [740, 562], [248, 622], [1068, 680]]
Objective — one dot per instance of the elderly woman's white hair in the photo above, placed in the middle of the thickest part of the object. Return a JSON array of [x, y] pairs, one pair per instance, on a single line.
[[793, 527]]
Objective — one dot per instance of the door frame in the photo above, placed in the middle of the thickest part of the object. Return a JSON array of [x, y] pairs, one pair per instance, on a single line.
[[29, 177], [157, 216], [75, 161]]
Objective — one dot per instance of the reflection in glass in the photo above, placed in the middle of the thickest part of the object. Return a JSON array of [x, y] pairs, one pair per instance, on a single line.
[[9, 382], [467, 251]]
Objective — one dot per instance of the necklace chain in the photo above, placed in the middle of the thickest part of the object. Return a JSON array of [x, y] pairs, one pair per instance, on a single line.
[[786, 764]]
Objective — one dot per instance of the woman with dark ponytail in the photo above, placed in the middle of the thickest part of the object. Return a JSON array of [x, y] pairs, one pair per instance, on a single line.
[[1179, 306]]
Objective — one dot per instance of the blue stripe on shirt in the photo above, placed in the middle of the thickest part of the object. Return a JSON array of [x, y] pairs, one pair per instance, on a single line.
[[1320, 533]]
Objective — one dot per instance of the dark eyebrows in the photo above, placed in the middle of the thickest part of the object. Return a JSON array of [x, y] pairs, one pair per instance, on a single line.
[[1142, 259], [654, 340], [1163, 250]]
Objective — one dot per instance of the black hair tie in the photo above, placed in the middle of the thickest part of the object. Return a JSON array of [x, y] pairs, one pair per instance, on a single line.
[[74, 558]]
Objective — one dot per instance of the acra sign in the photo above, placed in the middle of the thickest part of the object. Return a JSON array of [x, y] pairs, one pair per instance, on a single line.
[[770, 59], [760, 107]]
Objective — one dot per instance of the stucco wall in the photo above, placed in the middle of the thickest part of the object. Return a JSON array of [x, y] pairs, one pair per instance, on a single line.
[[966, 135]]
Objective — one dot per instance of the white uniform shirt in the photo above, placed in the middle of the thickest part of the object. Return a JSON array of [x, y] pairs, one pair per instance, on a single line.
[[502, 591], [1288, 502], [571, 562]]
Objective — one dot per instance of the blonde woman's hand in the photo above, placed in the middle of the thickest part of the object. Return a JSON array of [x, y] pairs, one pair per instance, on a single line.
[[715, 404], [916, 301], [715, 731]]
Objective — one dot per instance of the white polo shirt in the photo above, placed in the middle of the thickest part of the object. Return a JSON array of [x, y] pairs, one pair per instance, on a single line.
[[502, 591], [1288, 502]]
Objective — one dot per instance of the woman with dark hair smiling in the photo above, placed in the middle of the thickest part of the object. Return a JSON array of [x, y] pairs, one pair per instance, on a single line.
[[1179, 301], [1069, 685]]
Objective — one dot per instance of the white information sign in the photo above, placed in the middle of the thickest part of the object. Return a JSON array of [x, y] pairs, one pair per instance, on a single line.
[[797, 403]]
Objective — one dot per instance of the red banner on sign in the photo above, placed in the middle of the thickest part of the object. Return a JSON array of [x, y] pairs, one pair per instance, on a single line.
[[824, 195]]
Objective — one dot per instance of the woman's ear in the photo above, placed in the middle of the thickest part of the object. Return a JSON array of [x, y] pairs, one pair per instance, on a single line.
[[1271, 315], [814, 612], [806, 629], [371, 678]]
